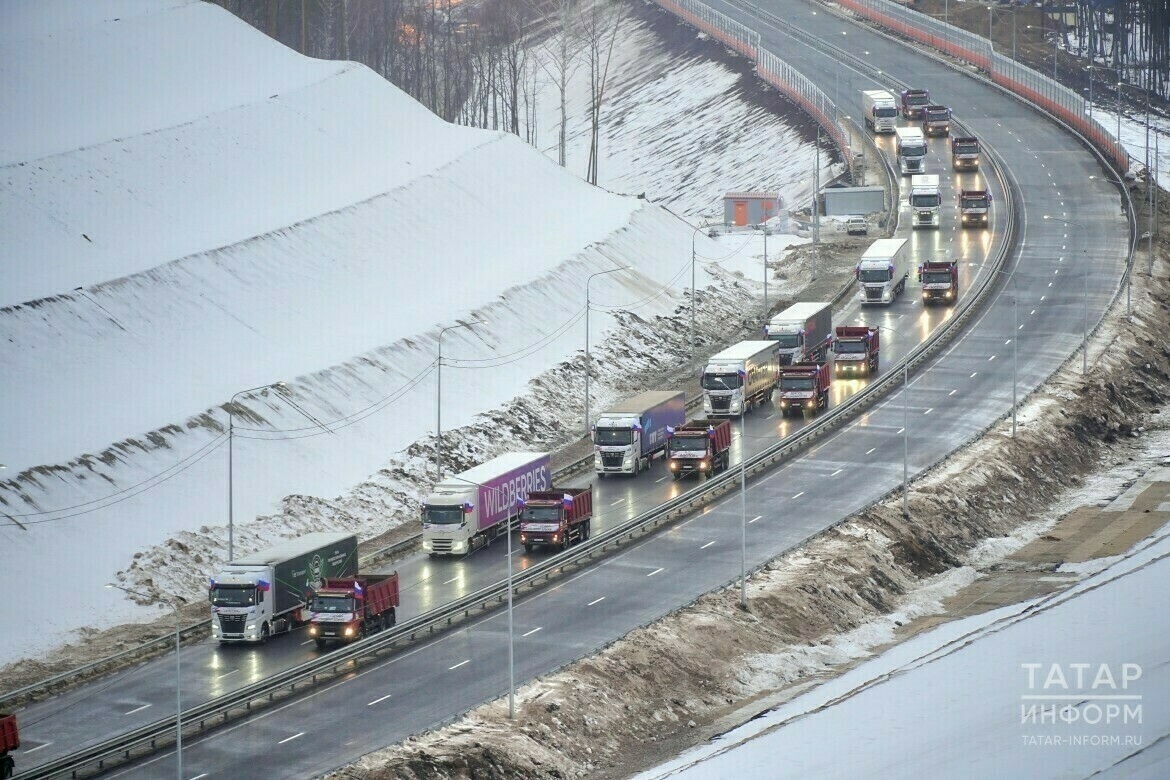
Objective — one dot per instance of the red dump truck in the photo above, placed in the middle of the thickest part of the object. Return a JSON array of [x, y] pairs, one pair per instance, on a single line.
[[855, 352], [975, 208], [964, 152], [940, 282], [702, 446], [9, 741], [804, 388], [555, 518], [914, 102], [345, 609]]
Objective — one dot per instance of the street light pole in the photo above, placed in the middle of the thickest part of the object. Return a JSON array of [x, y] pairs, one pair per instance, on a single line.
[[439, 397], [178, 678], [743, 510], [765, 271], [588, 359], [694, 235], [231, 438]]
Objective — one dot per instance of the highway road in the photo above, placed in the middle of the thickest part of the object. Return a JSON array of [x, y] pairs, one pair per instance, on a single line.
[[964, 389]]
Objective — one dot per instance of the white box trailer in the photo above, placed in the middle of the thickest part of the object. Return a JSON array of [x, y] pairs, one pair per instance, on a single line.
[[880, 109], [804, 332], [740, 378], [883, 270]]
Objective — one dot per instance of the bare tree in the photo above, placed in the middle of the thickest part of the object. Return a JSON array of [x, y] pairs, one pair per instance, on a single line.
[[600, 28], [562, 58]]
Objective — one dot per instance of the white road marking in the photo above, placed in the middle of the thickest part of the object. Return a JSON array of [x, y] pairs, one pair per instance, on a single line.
[[615, 503], [595, 601], [952, 392], [928, 411], [871, 450], [666, 477], [199, 777], [708, 544], [651, 574], [973, 375], [233, 671], [290, 739], [1009, 341], [375, 701], [798, 495], [991, 358], [1042, 297], [136, 709], [754, 519], [38, 747], [311, 641], [461, 663], [1030, 314], [448, 582], [835, 473], [533, 631]]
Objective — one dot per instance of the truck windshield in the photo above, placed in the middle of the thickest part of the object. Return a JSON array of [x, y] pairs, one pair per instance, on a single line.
[[849, 347], [541, 514], [332, 604], [613, 437], [443, 515], [925, 201], [688, 444], [720, 382], [974, 203], [787, 340], [936, 277], [966, 148], [936, 114], [876, 275], [890, 112], [233, 595], [912, 150], [796, 383], [917, 100]]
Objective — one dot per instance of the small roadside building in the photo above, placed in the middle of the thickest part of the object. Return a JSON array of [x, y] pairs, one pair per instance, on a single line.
[[750, 208]]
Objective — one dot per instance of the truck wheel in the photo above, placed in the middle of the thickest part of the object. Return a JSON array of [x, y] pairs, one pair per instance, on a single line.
[[587, 531], [7, 766], [390, 621], [527, 548], [320, 644], [264, 634]]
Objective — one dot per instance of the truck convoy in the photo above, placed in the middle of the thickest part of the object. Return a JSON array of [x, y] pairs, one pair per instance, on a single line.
[[627, 435], [925, 200], [914, 102], [911, 150], [964, 152], [804, 332], [9, 741], [883, 270], [702, 446], [936, 120], [880, 109], [470, 509], [974, 208], [345, 609], [855, 352], [940, 281], [556, 517], [804, 388], [740, 378], [267, 593]]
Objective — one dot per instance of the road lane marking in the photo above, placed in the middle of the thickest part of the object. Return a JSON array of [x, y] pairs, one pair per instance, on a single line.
[[375, 701], [928, 411], [651, 574], [136, 709], [1042, 297], [595, 601], [1030, 314], [533, 631], [973, 375], [798, 495], [754, 519], [290, 739], [615, 503], [199, 777], [233, 671], [666, 477], [952, 392], [835, 473], [1009, 341], [448, 582], [870, 452], [991, 358], [38, 747], [461, 663], [708, 544]]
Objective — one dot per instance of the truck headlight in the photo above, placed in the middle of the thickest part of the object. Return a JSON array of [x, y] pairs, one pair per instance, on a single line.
[[523, 538], [783, 404], [702, 465], [459, 546], [349, 630], [250, 627], [556, 537], [312, 631], [674, 465], [426, 545]]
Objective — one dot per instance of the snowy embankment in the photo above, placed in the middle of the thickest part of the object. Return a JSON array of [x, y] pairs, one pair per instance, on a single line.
[[238, 215]]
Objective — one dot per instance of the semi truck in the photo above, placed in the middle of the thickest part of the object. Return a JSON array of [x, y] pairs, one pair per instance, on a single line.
[[883, 270], [268, 592], [975, 208], [9, 741], [880, 109], [804, 388], [467, 511], [855, 351], [556, 517], [914, 102], [964, 152], [628, 435], [925, 200], [940, 281], [936, 120], [803, 331], [345, 609], [740, 378], [702, 446], [911, 150]]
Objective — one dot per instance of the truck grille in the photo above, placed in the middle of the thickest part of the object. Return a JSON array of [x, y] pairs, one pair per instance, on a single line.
[[612, 460], [441, 545], [720, 403], [873, 293], [925, 217], [232, 624]]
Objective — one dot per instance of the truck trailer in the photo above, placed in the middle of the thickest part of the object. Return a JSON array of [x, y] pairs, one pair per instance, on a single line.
[[914, 102], [556, 517], [701, 446], [804, 332], [740, 378], [940, 282], [855, 352], [964, 152], [975, 208], [936, 120], [268, 592], [910, 147], [804, 388], [628, 435], [925, 201], [880, 109], [469, 510], [883, 270], [9, 741], [345, 609]]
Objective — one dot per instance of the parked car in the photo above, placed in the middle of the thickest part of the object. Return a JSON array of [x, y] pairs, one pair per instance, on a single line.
[[857, 226]]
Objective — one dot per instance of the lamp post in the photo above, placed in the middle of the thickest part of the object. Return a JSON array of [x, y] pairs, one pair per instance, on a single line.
[[231, 447], [743, 509], [766, 232], [588, 363], [178, 679], [439, 397], [693, 236], [1085, 274]]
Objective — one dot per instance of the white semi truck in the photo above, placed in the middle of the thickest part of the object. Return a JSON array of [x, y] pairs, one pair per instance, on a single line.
[[628, 434], [880, 109], [804, 332], [883, 270], [740, 378], [911, 150], [925, 200]]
